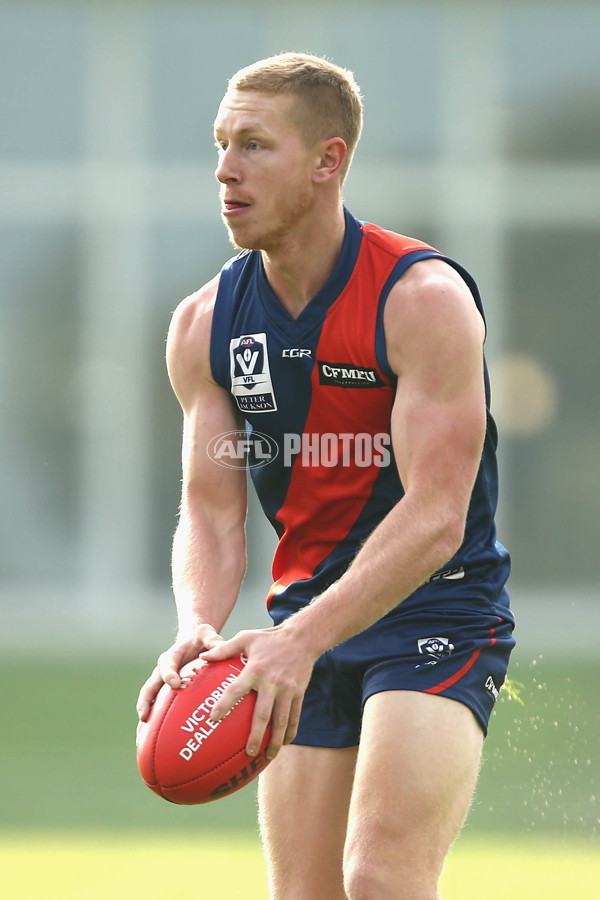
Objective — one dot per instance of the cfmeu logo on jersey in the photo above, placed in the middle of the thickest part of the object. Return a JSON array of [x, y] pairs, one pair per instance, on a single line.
[[236, 449], [251, 383]]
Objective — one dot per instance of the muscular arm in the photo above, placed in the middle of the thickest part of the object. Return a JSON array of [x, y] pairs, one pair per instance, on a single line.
[[209, 554], [434, 335]]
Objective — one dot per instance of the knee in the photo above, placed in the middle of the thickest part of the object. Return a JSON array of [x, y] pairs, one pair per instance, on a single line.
[[366, 875], [370, 875], [364, 881]]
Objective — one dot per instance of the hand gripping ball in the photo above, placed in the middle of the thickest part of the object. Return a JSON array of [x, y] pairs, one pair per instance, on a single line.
[[185, 758]]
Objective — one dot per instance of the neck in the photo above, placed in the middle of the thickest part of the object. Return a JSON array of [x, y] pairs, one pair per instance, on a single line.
[[299, 268]]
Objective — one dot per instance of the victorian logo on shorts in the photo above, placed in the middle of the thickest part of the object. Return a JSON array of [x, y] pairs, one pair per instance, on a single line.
[[251, 383], [438, 647]]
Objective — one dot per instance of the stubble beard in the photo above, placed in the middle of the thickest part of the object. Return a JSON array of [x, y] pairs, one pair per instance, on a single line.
[[269, 239]]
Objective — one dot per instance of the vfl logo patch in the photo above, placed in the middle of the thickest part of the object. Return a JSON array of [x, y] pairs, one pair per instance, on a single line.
[[251, 383], [348, 376], [438, 647]]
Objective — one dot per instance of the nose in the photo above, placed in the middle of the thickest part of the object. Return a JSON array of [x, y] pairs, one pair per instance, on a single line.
[[226, 171]]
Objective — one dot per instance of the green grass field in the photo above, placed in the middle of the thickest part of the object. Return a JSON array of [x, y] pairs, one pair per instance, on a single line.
[[77, 822], [96, 866]]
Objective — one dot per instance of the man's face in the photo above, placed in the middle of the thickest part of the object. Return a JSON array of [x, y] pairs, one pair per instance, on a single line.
[[265, 169]]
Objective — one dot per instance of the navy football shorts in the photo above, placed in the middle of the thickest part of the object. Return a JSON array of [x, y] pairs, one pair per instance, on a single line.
[[459, 652]]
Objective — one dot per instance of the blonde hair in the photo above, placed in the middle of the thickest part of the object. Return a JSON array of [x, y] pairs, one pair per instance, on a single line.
[[330, 100]]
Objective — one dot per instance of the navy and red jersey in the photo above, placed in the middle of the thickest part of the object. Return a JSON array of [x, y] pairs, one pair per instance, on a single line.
[[319, 389]]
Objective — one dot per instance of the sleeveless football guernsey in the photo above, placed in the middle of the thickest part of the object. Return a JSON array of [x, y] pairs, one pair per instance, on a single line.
[[318, 392]]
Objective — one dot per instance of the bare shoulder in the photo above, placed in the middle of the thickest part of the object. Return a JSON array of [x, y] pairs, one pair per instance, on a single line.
[[188, 341], [429, 308], [192, 319]]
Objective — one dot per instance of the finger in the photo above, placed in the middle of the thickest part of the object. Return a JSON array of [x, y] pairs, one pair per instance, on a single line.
[[284, 723], [147, 694], [169, 664], [222, 649], [230, 697], [213, 641], [293, 720], [263, 714], [207, 637]]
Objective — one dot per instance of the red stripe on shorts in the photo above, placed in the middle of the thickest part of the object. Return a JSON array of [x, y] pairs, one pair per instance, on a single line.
[[443, 685], [438, 688]]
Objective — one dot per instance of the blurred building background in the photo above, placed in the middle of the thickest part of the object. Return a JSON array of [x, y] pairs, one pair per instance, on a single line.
[[482, 136]]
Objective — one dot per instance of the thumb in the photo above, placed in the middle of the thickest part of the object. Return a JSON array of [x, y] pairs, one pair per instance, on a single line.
[[212, 640], [222, 649]]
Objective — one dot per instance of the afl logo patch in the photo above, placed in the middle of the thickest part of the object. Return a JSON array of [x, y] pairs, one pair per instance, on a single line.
[[251, 383], [233, 449]]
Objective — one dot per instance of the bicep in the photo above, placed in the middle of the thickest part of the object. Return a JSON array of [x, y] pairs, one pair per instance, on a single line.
[[208, 486], [438, 438], [439, 414]]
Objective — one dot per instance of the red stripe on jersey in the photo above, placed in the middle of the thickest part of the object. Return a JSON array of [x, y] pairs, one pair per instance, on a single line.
[[323, 503]]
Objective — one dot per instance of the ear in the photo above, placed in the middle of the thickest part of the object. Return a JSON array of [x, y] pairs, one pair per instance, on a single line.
[[332, 154]]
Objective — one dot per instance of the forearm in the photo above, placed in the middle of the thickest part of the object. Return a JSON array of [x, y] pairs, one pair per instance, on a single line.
[[404, 550], [208, 567]]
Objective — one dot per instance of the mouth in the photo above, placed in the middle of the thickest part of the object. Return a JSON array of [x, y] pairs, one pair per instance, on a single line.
[[233, 206]]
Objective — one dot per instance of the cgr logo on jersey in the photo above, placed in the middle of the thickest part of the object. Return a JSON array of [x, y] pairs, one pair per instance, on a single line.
[[296, 352], [346, 375], [448, 575], [438, 647], [251, 383]]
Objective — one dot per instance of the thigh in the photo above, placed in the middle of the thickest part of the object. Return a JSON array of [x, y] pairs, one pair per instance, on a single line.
[[416, 771], [304, 797]]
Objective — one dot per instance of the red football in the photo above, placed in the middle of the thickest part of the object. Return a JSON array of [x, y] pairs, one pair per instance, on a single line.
[[187, 759]]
